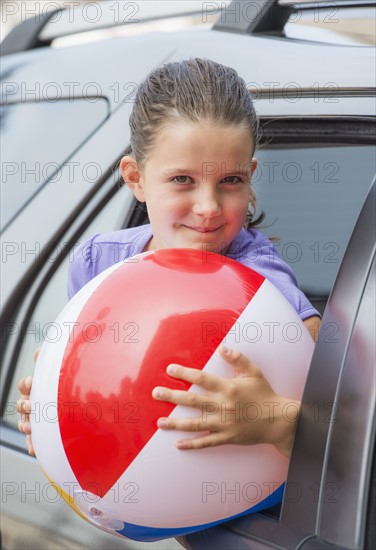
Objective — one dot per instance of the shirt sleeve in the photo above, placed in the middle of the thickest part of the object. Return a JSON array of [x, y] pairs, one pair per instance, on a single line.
[[283, 277], [80, 270], [256, 251], [102, 250]]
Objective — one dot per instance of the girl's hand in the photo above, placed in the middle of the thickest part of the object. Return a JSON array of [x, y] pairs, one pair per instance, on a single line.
[[243, 410], [24, 408]]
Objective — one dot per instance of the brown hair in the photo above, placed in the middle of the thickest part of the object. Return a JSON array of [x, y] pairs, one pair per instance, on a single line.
[[193, 90]]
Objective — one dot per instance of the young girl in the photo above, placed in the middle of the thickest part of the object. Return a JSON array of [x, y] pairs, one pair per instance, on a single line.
[[194, 131]]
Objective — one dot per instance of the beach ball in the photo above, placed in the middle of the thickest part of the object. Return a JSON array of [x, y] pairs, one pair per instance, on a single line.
[[95, 424]]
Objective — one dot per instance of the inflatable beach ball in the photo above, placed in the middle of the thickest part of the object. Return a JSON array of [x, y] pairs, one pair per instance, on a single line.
[[96, 434]]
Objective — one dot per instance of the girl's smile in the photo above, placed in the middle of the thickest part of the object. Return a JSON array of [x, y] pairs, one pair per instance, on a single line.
[[205, 229], [196, 184]]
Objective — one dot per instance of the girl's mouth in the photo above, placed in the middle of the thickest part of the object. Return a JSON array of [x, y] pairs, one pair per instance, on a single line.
[[204, 229]]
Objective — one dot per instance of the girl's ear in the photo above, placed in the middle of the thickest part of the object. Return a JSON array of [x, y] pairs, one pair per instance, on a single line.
[[132, 177], [253, 165]]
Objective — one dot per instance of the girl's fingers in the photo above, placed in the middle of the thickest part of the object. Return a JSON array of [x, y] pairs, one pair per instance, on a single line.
[[241, 363], [211, 382], [20, 425], [203, 379], [36, 353], [24, 385], [198, 424], [179, 397], [23, 406], [24, 427], [27, 428], [29, 446], [211, 440], [21, 386]]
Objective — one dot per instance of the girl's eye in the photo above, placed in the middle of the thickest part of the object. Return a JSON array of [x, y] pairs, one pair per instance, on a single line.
[[231, 179], [182, 179]]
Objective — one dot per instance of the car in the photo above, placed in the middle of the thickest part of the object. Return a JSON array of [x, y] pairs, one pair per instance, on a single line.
[[68, 81]]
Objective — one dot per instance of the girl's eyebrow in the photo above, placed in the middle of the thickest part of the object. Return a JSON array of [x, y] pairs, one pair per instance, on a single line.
[[206, 171], [174, 171], [236, 172]]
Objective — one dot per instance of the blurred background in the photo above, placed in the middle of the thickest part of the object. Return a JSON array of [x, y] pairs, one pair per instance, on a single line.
[[13, 12], [348, 28]]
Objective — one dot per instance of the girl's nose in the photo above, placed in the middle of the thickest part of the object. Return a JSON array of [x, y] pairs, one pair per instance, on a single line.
[[206, 204]]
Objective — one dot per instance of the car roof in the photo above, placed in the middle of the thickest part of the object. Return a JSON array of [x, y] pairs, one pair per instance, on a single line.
[[254, 57]]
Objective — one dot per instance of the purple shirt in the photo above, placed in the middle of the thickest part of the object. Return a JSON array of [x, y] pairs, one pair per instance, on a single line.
[[251, 248]]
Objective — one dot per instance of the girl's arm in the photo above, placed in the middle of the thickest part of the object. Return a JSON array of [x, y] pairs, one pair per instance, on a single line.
[[313, 325]]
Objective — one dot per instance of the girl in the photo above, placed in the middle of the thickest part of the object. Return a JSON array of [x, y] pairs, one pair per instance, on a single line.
[[194, 131]]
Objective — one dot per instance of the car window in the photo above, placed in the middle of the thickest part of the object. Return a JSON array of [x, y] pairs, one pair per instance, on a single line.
[[59, 128], [312, 195], [54, 296]]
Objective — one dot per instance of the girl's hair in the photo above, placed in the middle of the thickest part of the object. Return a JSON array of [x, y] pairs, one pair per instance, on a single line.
[[192, 90]]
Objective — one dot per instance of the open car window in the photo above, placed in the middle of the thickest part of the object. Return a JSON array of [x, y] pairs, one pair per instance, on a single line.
[[312, 193], [54, 298]]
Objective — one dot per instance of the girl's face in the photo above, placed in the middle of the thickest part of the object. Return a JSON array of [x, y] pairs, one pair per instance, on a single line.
[[195, 184]]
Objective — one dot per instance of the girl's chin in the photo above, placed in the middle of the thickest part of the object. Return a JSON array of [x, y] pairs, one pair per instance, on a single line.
[[205, 245], [203, 242]]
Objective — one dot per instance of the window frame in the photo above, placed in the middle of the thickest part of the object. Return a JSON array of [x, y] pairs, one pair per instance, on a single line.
[[29, 295]]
